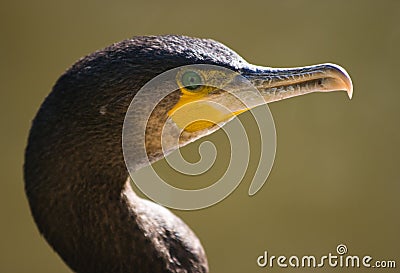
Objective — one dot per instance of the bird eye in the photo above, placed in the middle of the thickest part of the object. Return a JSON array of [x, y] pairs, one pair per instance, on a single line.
[[191, 80]]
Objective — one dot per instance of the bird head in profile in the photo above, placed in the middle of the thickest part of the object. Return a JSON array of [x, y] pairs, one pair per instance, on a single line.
[[75, 174], [208, 84]]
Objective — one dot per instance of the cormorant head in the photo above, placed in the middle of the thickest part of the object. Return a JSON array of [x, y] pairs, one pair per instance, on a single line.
[[75, 173], [105, 82]]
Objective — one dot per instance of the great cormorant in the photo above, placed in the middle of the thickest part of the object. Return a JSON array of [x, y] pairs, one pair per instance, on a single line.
[[75, 175]]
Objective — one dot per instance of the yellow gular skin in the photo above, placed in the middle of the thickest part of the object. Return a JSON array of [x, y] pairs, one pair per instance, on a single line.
[[194, 112], [195, 109]]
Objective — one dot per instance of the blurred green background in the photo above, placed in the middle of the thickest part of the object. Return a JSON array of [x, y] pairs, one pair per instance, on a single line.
[[336, 176]]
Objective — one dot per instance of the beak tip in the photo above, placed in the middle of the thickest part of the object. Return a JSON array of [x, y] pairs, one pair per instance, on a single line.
[[349, 87], [344, 77], [350, 93]]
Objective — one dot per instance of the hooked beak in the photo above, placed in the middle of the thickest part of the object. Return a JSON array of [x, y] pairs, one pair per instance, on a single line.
[[277, 84], [273, 84]]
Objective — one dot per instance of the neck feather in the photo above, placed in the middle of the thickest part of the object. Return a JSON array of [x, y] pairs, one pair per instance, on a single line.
[[76, 183]]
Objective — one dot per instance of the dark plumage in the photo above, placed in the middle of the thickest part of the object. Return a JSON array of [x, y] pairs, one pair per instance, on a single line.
[[75, 175]]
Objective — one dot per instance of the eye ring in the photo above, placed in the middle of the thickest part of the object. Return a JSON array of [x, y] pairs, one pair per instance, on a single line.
[[191, 80]]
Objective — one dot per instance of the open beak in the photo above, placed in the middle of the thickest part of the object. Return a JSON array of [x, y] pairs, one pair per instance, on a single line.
[[277, 84]]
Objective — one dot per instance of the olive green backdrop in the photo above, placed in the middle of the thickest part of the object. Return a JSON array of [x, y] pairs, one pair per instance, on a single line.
[[336, 176]]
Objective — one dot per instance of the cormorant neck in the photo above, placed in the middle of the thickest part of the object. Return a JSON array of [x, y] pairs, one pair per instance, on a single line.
[[76, 183]]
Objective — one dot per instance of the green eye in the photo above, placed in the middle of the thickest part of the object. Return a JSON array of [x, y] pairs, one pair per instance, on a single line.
[[191, 80]]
